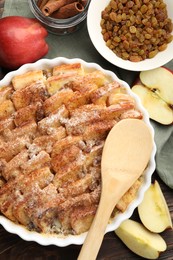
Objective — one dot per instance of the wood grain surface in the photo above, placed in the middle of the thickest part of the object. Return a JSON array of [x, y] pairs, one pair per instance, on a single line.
[[13, 247]]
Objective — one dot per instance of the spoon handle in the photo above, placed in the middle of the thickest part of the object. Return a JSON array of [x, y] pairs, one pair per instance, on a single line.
[[112, 191], [96, 233]]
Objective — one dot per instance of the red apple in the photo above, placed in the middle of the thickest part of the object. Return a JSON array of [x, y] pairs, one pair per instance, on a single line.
[[22, 40]]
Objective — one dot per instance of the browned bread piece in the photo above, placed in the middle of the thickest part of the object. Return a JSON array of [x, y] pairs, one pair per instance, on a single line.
[[5, 93], [53, 125], [23, 80], [13, 167], [65, 143], [43, 213], [7, 123], [67, 156], [93, 157], [129, 196], [62, 74], [82, 217], [6, 109], [36, 92], [46, 142], [57, 100], [35, 162], [33, 112], [28, 130], [56, 83], [100, 95], [10, 149], [89, 82], [97, 130], [72, 69], [68, 174], [53, 121], [77, 100], [79, 187], [132, 113]]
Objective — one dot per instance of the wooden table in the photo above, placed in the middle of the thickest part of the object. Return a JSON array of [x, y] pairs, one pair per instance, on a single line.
[[14, 248]]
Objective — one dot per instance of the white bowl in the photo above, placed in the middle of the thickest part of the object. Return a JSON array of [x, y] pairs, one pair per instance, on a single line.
[[79, 239], [94, 29]]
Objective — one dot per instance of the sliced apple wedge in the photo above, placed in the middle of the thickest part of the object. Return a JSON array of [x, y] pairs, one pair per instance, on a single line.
[[153, 211], [140, 240], [155, 89], [157, 108], [159, 80]]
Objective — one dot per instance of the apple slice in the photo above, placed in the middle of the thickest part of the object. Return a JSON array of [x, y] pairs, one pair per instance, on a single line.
[[159, 80], [153, 211], [140, 240], [157, 108], [155, 89]]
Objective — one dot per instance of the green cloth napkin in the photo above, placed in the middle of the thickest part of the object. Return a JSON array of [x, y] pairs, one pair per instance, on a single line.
[[164, 155], [79, 45]]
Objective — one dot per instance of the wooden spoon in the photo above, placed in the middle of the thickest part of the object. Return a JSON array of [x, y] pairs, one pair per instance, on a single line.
[[126, 153]]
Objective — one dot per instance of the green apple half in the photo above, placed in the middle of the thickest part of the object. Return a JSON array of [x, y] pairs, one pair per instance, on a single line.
[[153, 210], [155, 89], [140, 240]]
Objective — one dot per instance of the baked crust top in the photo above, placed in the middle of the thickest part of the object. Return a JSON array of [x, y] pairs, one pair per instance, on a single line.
[[53, 125]]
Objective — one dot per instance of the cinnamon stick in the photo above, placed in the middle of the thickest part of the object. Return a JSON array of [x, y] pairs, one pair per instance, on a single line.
[[68, 11], [53, 5], [41, 3], [83, 2]]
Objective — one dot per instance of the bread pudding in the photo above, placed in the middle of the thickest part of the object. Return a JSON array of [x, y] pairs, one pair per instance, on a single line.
[[53, 125]]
